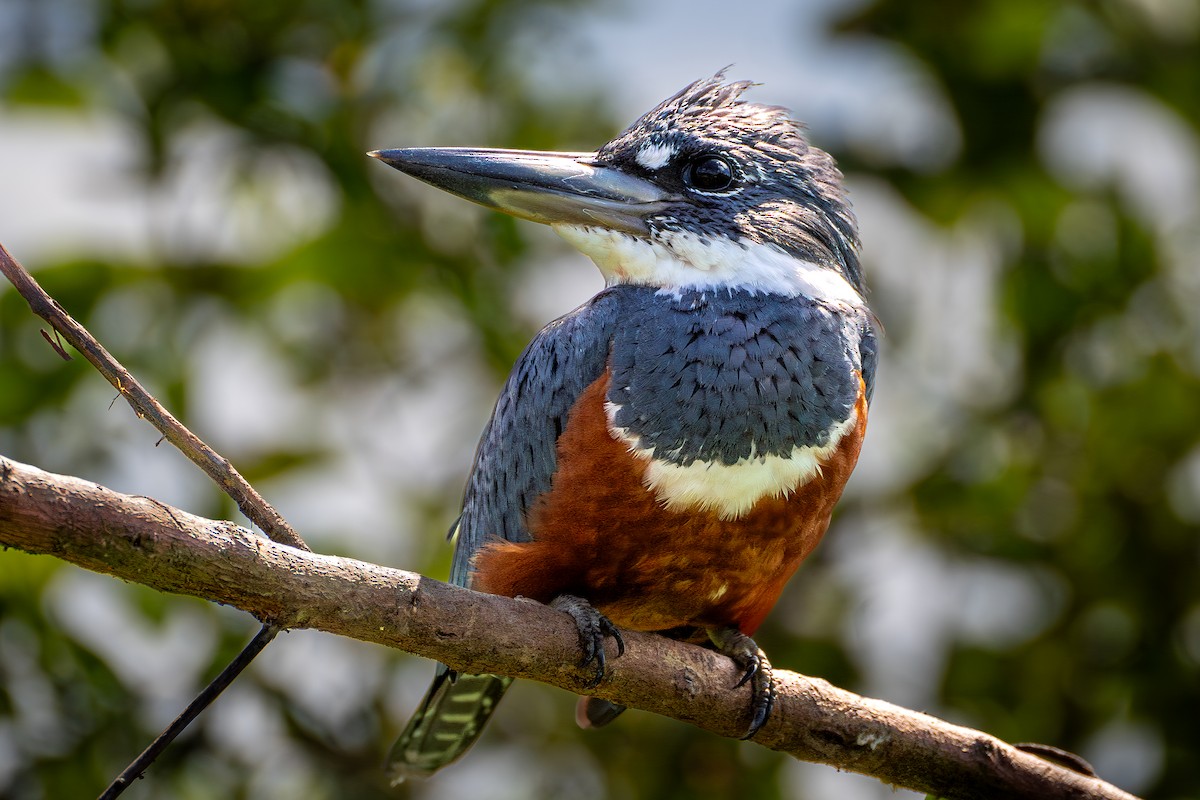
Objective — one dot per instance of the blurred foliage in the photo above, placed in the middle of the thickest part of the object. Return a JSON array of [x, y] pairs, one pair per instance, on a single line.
[[1078, 458], [1093, 451]]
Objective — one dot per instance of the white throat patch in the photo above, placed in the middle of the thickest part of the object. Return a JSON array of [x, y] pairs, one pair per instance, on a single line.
[[686, 261]]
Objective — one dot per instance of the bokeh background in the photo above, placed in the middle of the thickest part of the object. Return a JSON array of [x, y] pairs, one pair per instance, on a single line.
[[1018, 550]]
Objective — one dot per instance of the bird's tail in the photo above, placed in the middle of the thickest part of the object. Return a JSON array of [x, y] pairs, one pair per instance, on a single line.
[[592, 712], [448, 722]]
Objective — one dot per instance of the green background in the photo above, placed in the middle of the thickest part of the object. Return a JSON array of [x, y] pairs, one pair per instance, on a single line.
[[1018, 552]]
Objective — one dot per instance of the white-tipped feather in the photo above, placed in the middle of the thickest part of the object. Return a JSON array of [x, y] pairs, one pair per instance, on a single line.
[[729, 489]]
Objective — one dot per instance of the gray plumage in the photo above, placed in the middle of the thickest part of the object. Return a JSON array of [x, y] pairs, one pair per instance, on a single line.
[[710, 376], [720, 376], [715, 375], [706, 375], [514, 465], [516, 456]]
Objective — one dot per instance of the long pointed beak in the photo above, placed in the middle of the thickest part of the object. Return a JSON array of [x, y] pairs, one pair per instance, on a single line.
[[552, 188]]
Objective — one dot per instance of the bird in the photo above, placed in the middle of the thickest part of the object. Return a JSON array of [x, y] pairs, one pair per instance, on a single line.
[[665, 456]]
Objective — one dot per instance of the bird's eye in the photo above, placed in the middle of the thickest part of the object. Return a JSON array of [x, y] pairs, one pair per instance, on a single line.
[[709, 174]]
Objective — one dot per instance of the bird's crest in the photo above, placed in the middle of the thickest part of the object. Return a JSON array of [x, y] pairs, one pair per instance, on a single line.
[[711, 110], [773, 160]]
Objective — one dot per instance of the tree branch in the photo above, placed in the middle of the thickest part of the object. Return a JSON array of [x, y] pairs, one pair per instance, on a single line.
[[212, 463], [146, 542], [216, 466]]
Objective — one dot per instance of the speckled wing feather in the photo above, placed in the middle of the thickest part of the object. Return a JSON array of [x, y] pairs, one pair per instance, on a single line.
[[516, 458], [514, 464]]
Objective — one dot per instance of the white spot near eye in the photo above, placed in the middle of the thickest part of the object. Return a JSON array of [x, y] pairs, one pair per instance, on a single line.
[[655, 156]]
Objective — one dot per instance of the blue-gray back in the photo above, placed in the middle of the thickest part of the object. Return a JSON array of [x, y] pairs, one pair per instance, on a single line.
[[720, 376]]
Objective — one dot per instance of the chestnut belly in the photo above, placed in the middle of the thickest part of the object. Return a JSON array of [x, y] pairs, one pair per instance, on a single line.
[[701, 571], [600, 533]]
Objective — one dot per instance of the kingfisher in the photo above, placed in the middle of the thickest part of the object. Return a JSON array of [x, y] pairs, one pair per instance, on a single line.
[[665, 456]]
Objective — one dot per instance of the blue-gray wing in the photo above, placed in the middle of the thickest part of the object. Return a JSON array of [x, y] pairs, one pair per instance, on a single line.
[[515, 460], [868, 349], [514, 465]]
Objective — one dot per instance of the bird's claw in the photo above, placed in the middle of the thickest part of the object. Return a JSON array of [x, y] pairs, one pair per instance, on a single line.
[[593, 627], [753, 665], [746, 653]]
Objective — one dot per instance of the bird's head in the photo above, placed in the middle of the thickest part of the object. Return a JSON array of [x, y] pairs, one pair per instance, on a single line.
[[704, 191]]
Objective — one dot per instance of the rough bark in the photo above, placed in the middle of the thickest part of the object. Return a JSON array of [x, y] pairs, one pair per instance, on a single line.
[[141, 540]]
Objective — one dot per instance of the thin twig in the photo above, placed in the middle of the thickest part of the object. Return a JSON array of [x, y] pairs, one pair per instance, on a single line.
[[256, 509], [252, 504], [202, 701]]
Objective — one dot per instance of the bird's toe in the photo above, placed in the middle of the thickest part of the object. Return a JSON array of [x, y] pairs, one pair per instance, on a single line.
[[746, 653], [593, 627]]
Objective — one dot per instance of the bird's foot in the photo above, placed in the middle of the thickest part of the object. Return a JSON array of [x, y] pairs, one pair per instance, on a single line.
[[746, 653], [593, 627]]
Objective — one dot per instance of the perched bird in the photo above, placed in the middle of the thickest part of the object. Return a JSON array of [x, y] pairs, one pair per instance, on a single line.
[[663, 457]]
